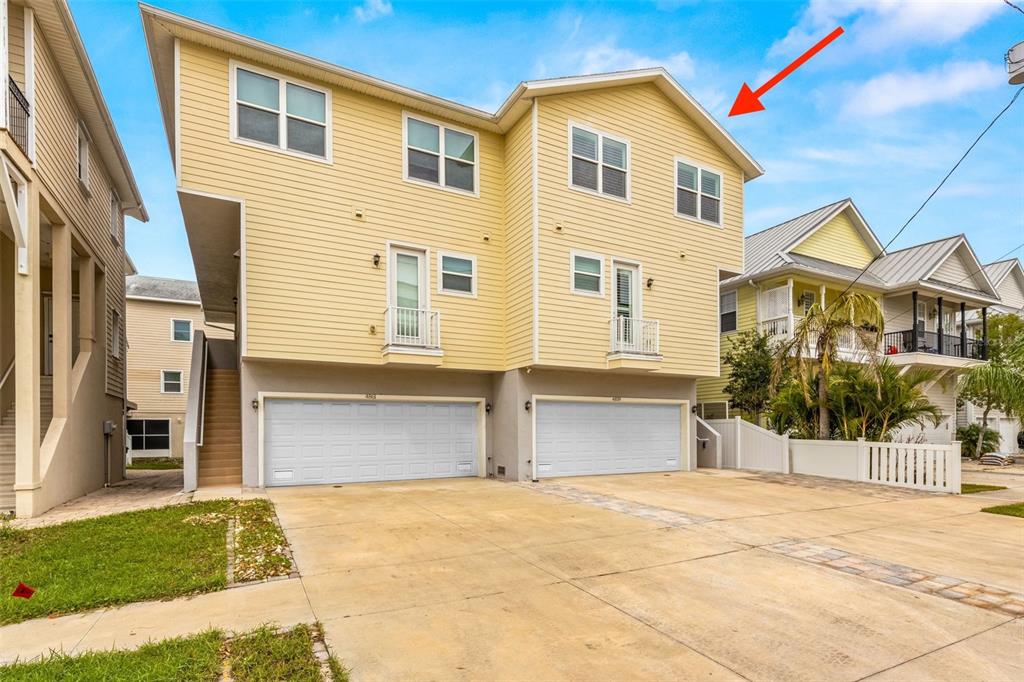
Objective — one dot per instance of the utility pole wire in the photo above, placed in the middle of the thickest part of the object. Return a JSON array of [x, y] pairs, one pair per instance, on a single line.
[[934, 191], [1010, 4]]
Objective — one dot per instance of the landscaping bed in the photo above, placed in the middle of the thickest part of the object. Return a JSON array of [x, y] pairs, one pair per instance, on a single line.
[[137, 556], [1016, 509], [969, 488], [154, 463], [262, 655]]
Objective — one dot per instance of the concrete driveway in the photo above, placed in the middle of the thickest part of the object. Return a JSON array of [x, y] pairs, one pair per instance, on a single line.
[[712, 575]]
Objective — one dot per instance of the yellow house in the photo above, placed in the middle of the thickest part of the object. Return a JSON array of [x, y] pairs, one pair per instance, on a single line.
[[65, 185], [927, 293], [423, 289], [161, 317]]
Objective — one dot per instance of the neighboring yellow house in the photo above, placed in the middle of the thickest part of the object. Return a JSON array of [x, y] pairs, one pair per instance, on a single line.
[[65, 185], [927, 293], [162, 315], [423, 289]]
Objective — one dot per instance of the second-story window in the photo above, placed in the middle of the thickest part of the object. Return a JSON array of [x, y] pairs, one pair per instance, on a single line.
[[727, 312], [440, 155], [115, 217], [600, 163], [457, 274], [181, 330], [698, 193], [83, 157], [587, 274], [276, 112]]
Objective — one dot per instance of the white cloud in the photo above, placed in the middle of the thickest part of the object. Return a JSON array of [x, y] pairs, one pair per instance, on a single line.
[[609, 57], [897, 90], [371, 10], [876, 25]]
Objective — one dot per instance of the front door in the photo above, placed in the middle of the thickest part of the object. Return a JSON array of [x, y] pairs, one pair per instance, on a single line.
[[409, 296], [626, 303]]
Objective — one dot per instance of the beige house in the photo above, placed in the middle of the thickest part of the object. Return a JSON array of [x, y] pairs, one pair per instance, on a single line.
[[162, 316], [66, 186], [423, 289]]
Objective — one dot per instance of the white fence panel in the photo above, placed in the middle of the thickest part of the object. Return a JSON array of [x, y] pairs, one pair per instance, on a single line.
[[726, 429], [921, 466], [761, 449], [829, 458]]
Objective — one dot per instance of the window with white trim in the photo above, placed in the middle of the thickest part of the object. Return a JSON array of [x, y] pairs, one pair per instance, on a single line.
[[83, 156], [115, 333], [727, 312], [170, 381], [115, 216], [600, 163], [698, 193], [587, 274], [149, 434], [273, 111], [807, 299], [440, 155], [457, 274], [181, 330]]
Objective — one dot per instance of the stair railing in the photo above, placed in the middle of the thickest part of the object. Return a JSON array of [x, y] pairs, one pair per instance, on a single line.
[[194, 409]]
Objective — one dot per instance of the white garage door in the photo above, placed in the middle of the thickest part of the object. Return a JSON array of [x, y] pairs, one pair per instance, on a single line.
[[332, 441], [582, 438]]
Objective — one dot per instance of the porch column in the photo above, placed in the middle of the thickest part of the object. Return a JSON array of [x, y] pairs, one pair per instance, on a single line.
[[963, 329], [984, 333], [61, 328], [86, 304], [913, 325], [938, 325], [27, 351]]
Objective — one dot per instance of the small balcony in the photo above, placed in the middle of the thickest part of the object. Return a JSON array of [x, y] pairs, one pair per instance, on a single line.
[[413, 336], [780, 329], [18, 112], [633, 341], [948, 345]]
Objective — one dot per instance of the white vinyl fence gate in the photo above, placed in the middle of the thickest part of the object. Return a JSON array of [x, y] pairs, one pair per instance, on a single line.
[[748, 446]]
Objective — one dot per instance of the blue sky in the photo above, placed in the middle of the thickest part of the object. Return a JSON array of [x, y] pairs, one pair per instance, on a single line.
[[879, 116]]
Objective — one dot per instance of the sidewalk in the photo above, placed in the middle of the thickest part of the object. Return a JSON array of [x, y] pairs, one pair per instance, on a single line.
[[238, 609]]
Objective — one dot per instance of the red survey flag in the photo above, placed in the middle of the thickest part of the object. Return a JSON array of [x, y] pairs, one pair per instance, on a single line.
[[23, 591]]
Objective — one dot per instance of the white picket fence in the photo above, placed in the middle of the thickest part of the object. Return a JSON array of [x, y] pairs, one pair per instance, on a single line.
[[920, 466]]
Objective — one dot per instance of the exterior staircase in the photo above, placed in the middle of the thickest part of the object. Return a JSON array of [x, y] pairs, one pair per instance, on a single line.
[[220, 455], [7, 441]]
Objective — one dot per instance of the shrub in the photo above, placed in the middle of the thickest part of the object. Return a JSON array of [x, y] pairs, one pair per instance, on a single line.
[[968, 436]]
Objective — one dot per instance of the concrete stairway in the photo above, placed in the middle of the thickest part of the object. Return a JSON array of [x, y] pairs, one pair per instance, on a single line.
[[7, 441], [220, 456]]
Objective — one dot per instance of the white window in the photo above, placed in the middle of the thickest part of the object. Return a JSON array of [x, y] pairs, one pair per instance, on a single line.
[[181, 330], [698, 192], [115, 333], [599, 163], [149, 434], [83, 156], [170, 381], [456, 274], [271, 110], [115, 217], [807, 299], [587, 274], [727, 312], [440, 155]]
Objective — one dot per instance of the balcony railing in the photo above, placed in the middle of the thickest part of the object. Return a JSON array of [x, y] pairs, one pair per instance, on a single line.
[[414, 327], [633, 336], [778, 329], [18, 112], [928, 342]]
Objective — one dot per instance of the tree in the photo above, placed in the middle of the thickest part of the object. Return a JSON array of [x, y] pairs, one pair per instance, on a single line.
[[873, 405], [823, 329], [969, 436], [997, 384], [750, 382]]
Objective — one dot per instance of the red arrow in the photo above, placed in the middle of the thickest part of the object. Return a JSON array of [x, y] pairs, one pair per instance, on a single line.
[[748, 101]]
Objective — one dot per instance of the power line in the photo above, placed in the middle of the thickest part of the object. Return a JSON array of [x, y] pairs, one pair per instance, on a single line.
[[934, 191], [1010, 4]]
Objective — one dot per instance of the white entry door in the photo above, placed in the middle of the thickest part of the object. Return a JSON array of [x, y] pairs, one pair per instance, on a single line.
[[342, 441], [408, 291], [585, 438]]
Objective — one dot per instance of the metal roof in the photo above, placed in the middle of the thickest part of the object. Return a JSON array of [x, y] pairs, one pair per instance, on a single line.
[[835, 269], [1000, 269], [913, 263], [162, 288]]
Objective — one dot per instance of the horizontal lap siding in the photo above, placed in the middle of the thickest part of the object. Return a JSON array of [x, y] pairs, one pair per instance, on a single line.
[[837, 241], [16, 43], [56, 166], [574, 329], [519, 247], [312, 292], [713, 389]]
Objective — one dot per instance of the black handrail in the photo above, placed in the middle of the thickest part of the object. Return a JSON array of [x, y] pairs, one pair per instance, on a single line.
[[928, 342], [18, 113]]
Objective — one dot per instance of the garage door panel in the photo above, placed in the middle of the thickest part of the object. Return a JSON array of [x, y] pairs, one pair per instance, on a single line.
[[585, 438], [324, 441]]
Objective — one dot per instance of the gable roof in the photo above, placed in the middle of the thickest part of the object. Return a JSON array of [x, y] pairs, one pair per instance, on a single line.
[[161, 289], [163, 27], [998, 270], [919, 263]]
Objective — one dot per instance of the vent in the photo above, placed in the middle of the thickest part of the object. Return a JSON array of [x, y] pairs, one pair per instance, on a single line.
[[501, 470]]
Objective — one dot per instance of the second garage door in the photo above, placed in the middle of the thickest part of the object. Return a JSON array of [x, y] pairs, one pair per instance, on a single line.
[[583, 438], [336, 441]]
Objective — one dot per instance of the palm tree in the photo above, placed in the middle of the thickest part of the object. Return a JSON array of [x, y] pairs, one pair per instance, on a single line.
[[823, 328], [997, 384], [900, 400]]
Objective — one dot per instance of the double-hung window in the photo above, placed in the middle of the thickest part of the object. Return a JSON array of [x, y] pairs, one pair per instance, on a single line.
[[170, 381], [698, 193], [439, 155], [83, 157], [587, 274], [457, 274], [727, 312], [600, 163], [115, 217], [181, 330], [274, 111]]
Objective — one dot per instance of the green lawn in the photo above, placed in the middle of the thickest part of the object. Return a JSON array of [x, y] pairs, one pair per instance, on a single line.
[[1016, 509], [968, 488], [135, 556], [150, 463], [259, 656]]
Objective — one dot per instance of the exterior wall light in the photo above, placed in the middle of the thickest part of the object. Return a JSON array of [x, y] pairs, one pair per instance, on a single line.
[[376, 260], [528, 405], [650, 282]]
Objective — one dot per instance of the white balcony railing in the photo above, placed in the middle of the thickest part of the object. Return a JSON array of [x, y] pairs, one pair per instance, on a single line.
[[777, 327], [634, 336], [413, 327]]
